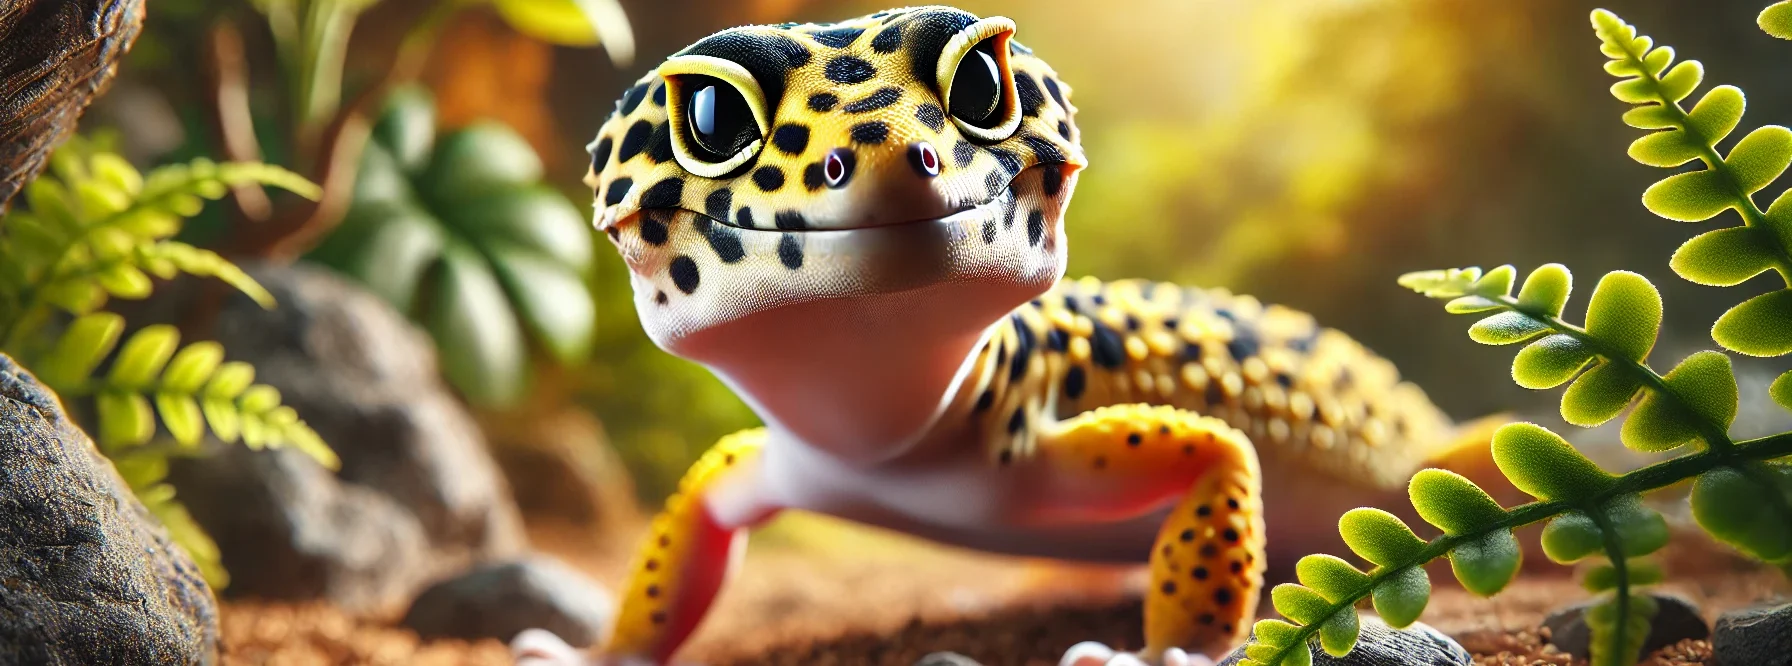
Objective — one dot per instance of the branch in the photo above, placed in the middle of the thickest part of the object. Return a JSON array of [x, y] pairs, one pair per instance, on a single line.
[[232, 123]]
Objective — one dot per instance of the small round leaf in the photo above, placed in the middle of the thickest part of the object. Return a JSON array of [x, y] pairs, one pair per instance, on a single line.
[[1401, 598], [1625, 314], [1600, 394], [1733, 505], [1781, 390], [1545, 290], [1694, 196], [1760, 157], [1451, 502], [1330, 576], [1549, 362], [1760, 326], [1339, 633], [1379, 537], [1298, 603], [1725, 257], [1506, 328], [1544, 465], [1571, 537], [1486, 565]]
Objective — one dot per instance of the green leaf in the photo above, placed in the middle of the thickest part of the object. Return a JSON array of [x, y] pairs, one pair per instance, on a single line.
[[481, 159], [230, 380], [1471, 305], [1716, 115], [1549, 362], [1401, 598], [258, 399], [1298, 603], [1703, 382], [1680, 81], [1545, 290], [1506, 328], [1760, 157], [1745, 507], [407, 127], [83, 344], [1725, 257], [1378, 536], [1639, 529], [1339, 633], [1760, 326], [181, 415], [222, 415], [1600, 394], [125, 281], [1694, 196], [400, 245], [1274, 632], [1776, 19], [1667, 148], [1544, 465], [1653, 116], [142, 357], [472, 316], [536, 218], [553, 300], [1639, 571], [1451, 502], [125, 418], [1625, 314], [1618, 634], [1487, 564], [573, 23], [1781, 390], [1330, 576], [1444, 283], [1571, 537], [192, 366]]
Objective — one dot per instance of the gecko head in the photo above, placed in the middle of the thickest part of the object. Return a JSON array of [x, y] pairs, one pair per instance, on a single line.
[[773, 175]]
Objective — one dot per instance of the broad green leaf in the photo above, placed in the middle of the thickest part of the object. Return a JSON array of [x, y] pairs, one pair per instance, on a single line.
[[406, 129], [573, 23], [1776, 19], [1506, 328], [1379, 537], [1545, 290], [1744, 506], [1298, 603], [193, 365], [472, 316], [125, 418], [1760, 157], [1544, 465], [1451, 502], [1716, 114], [481, 159], [1704, 383], [1625, 314], [1330, 576], [1603, 576], [535, 218], [1760, 326], [1401, 598], [80, 349], [1571, 537], [1781, 390], [1600, 394], [1725, 257], [1486, 565], [1339, 633], [1549, 362], [1658, 424], [1694, 196], [182, 416], [230, 380], [553, 300], [142, 356], [1274, 632], [392, 257]]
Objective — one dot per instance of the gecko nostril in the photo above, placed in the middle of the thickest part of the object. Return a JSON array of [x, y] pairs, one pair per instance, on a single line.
[[837, 168], [924, 158]]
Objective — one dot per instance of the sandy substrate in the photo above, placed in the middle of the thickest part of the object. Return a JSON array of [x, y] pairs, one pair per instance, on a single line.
[[818, 594]]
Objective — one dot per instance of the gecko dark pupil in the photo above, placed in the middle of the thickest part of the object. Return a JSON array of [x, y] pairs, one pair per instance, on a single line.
[[720, 121], [977, 87]]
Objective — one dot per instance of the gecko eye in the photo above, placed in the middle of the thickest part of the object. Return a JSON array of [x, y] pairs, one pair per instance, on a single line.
[[976, 82], [717, 112]]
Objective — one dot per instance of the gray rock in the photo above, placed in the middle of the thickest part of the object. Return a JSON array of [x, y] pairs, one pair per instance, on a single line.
[[1382, 645], [1753, 636], [413, 459], [561, 468], [500, 600], [87, 575], [1677, 620], [947, 659]]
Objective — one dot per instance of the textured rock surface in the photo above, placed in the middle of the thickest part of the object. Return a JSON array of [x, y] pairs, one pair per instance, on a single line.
[[413, 460], [560, 466], [1677, 620], [1756, 635], [501, 599], [55, 56], [86, 574], [1381, 645]]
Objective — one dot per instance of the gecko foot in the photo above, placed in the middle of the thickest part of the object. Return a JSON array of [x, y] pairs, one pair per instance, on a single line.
[[1091, 653], [539, 647]]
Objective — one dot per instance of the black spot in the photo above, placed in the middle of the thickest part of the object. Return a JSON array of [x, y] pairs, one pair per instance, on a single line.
[[659, 146], [1191, 351], [1070, 304], [1187, 536], [725, 241], [1169, 587], [660, 298], [888, 40], [614, 233], [962, 152], [653, 591], [1206, 618], [1210, 550], [1244, 342], [1134, 439], [819, 102], [1222, 596], [1132, 323], [791, 139], [1057, 340], [1064, 130], [1005, 456], [1046, 151], [1232, 504], [1214, 394], [600, 154], [1106, 348], [1099, 299], [994, 183], [659, 95], [849, 69], [1052, 180], [790, 251], [634, 141], [684, 274], [932, 116], [658, 617], [768, 178], [813, 178], [1304, 344], [1101, 462], [790, 220], [1074, 382], [930, 31], [1017, 421], [1001, 355], [744, 218], [1025, 340], [1028, 90], [989, 230], [872, 133], [718, 203], [985, 400], [1204, 511], [653, 230], [874, 101], [618, 191], [1051, 88], [632, 98], [1006, 158], [1230, 534], [838, 37], [1035, 227], [768, 57], [1200, 572], [1237, 566], [1286, 380], [664, 194]]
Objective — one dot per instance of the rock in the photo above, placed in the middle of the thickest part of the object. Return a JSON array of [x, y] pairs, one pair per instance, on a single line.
[[1381, 645], [561, 468], [1751, 636], [1677, 620], [947, 659], [500, 600], [87, 575], [366, 380], [55, 57]]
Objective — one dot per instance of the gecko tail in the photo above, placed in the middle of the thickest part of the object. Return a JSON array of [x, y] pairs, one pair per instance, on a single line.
[[1469, 452]]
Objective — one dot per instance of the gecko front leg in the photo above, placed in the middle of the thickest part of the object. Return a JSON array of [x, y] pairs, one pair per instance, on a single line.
[[686, 557], [1207, 560]]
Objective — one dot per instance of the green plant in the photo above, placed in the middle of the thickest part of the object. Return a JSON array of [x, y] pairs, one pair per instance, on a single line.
[[459, 232], [1741, 491], [92, 229]]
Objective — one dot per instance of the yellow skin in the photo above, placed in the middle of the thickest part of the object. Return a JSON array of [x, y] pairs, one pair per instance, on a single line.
[[905, 334]]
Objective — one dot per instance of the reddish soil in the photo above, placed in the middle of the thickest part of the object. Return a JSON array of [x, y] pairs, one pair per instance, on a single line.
[[819, 595]]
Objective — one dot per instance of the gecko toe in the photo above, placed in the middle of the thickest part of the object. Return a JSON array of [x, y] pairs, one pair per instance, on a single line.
[[1091, 653], [538, 647]]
